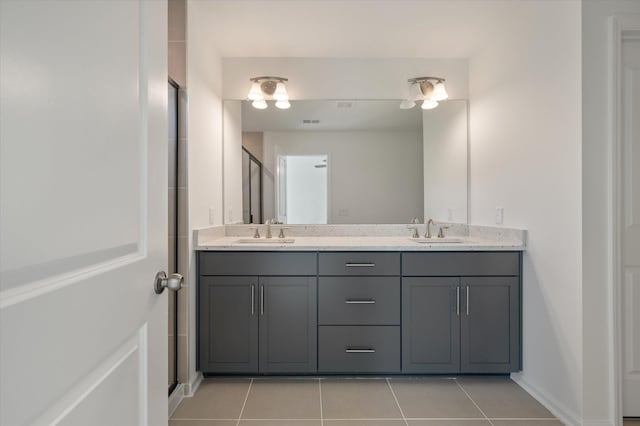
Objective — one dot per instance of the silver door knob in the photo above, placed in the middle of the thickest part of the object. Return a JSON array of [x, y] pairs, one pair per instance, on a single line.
[[172, 282]]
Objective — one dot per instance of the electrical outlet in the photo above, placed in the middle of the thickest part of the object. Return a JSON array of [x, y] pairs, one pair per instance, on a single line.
[[343, 212], [212, 217], [499, 215], [230, 217], [450, 215]]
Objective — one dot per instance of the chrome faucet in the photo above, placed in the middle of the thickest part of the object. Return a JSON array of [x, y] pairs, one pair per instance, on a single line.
[[429, 223], [268, 222]]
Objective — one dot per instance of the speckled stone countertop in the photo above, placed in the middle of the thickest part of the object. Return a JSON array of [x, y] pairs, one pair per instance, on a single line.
[[360, 238]]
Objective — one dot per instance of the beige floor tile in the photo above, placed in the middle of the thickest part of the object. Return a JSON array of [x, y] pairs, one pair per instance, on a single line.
[[449, 423], [283, 399], [202, 422], [527, 422], [500, 397], [433, 397], [215, 399], [280, 423], [358, 399], [367, 422]]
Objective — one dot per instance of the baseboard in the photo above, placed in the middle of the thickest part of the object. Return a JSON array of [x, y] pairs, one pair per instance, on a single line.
[[176, 398], [598, 423], [559, 410], [193, 384]]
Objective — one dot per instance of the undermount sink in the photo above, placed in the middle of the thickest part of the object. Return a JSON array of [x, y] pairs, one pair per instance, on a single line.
[[265, 241], [436, 240]]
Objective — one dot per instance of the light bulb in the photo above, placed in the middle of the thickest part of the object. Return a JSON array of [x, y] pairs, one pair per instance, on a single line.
[[281, 92], [429, 104], [439, 92], [407, 104], [283, 104], [259, 104], [255, 94]]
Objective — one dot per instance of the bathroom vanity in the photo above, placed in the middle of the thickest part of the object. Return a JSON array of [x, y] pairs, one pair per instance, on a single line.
[[359, 305]]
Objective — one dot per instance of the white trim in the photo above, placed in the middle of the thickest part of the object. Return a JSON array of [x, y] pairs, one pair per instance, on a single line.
[[175, 398], [193, 385], [558, 409], [618, 26]]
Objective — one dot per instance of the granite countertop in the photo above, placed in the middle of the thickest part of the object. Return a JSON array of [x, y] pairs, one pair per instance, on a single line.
[[468, 238]]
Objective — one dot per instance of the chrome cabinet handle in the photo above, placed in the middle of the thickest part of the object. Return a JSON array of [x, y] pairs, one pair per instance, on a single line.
[[467, 300], [172, 282], [359, 301], [359, 265], [261, 300], [458, 301], [253, 299], [359, 351]]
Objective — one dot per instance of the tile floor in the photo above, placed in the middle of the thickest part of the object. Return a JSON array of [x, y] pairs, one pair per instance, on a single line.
[[394, 401]]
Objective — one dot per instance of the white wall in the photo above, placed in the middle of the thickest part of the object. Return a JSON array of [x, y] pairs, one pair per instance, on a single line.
[[598, 376], [444, 131], [344, 78], [232, 137], [384, 170], [204, 80], [526, 157]]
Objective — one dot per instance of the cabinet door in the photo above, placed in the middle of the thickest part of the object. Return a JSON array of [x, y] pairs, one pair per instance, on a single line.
[[228, 324], [430, 325], [490, 336], [288, 324]]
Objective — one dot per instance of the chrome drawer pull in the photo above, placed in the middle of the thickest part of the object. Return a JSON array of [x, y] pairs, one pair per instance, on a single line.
[[359, 265], [360, 301], [360, 351]]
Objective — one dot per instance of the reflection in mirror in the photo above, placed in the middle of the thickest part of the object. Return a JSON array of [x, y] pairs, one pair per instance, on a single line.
[[342, 162]]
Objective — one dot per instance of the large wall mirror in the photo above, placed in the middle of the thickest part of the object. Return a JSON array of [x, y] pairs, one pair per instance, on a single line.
[[345, 162]]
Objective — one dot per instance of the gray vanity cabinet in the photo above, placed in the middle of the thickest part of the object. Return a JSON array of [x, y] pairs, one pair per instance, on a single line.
[[431, 325], [257, 312], [288, 325], [228, 324], [490, 327], [461, 312], [359, 312]]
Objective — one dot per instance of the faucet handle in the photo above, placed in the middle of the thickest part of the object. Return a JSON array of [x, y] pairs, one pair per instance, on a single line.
[[415, 220], [441, 231], [415, 231], [257, 233], [282, 228]]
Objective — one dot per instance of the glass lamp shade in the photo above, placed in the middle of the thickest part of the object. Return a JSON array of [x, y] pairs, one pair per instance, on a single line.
[[415, 94], [255, 94], [259, 104], [283, 104], [439, 92], [429, 104], [281, 92], [407, 104]]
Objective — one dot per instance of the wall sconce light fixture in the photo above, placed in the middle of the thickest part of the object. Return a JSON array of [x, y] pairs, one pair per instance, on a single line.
[[268, 88], [429, 90]]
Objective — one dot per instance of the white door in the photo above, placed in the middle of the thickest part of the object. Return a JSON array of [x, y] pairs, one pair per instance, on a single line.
[[83, 217], [630, 220]]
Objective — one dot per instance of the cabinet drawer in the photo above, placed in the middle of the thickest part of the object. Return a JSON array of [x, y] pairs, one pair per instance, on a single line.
[[359, 263], [257, 263], [359, 349], [461, 264], [359, 301]]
